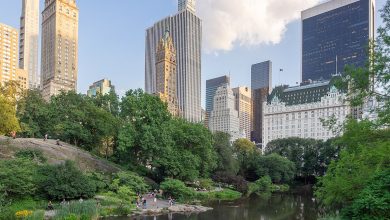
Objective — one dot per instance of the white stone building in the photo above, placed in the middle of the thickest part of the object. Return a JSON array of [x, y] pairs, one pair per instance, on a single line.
[[224, 116], [298, 111]]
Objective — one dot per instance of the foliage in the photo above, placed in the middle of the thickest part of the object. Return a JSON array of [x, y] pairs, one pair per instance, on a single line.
[[101, 181], [224, 150], [130, 180], [278, 168], [176, 189], [239, 183], [366, 152], [9, 211], [311, 157], [34, 115], [374, 200], [261, 185], [17, 178], [64, 181], [31, 154], [223, 195], [206, 184], [8, 122], [77, 210]]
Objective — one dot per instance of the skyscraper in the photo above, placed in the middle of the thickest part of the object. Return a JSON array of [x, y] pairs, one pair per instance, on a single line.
[[224, 117], [261, 75], [243, 104], [187, 5], [102, 87], [28, 41], [211, 87], [186, 31], [334, 34], [261, 80], [166, 73], [59, 63], [9, 70]]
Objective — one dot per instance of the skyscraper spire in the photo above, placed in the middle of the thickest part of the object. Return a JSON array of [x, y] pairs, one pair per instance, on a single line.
[[187, 5]]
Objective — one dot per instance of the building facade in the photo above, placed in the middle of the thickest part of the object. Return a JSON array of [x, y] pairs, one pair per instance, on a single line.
[[261, 75], [261, 82], [9, 70], [298, 111], [28, 41], [224, 117], [259, 97], [211, 87], [59, 63], [102, 87], [334, 34], [166, 74], [186, 31], [187, 5], [243, 104]]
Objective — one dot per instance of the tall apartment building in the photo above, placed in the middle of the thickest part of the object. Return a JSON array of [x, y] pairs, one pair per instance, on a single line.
[[334, 34], [224, 117], [261, 82], [166, 73], [59, 64], [9, 70], [297, 111], [186, 31], [102, 87], [28, 41], [243, 104], [211, 87]]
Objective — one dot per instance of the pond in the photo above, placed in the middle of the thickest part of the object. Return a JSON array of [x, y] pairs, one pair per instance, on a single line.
[[276, 206]]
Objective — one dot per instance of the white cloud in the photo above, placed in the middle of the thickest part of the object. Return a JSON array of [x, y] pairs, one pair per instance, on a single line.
[[247, 22]]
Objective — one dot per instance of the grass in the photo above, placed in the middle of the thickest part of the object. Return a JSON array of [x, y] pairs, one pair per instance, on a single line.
[[77, 210], [8, 212]]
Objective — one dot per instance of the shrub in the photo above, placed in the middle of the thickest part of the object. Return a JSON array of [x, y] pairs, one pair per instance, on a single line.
[[239, 183], [177, 189], [374, 201], [31, 154], [263, 184], [129, 179], [206, 184], [17, 178], [65, 181], [101, 181]]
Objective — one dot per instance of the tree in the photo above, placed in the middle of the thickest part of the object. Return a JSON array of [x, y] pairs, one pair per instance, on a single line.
[[108, 102], [278, 168], [34, 114], [64, 181], [17, 178], [311, 157], [224, 149], [8, 122]]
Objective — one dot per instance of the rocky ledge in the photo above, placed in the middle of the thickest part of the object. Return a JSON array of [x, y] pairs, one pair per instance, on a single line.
[[174, 209]]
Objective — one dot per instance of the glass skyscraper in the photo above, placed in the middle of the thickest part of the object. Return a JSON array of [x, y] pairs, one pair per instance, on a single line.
[[335, 34], [261, 75]]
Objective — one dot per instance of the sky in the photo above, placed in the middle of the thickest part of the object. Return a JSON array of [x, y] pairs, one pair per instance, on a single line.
[[236, 34]]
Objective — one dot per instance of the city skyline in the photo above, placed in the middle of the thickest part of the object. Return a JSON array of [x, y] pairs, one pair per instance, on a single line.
[[94, 66]]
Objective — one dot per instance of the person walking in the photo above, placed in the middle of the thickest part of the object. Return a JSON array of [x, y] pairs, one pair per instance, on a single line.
[[45, 138]]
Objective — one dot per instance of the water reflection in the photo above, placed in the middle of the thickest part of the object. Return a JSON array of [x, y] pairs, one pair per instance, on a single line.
[[277, 206]]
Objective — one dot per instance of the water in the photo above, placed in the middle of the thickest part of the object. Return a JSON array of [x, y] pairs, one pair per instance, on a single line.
[[277, 206]]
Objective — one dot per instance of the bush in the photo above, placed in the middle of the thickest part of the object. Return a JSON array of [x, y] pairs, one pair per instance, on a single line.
[[129, 179], [64, 181], [374, 201], [9, 211], [31, 154], [206, 184], [226, 195], [17, 178], [101, 181], [177, 189], [263, 184], [239, 183]]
